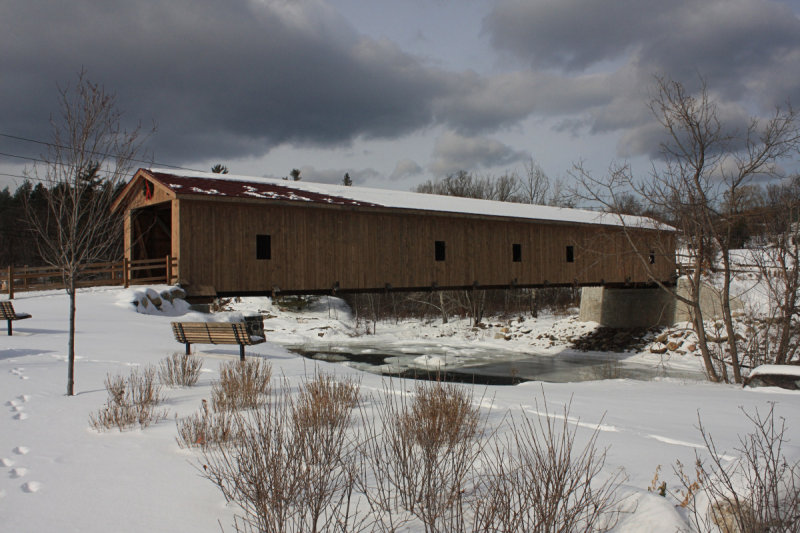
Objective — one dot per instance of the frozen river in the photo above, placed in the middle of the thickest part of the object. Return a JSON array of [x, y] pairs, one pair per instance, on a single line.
[[488, 364]]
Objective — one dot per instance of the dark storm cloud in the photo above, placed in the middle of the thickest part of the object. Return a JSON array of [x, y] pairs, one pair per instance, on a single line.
[[723, 39], [748, 51], [222, 79], [483, 104], [574, 34], [232, 79]]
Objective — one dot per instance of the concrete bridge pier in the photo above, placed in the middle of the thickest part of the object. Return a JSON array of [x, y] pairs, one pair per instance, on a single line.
[[627, 308], [646, 307]]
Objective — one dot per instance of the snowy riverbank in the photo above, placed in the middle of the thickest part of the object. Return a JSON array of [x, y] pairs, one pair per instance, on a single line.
[[56, 473]]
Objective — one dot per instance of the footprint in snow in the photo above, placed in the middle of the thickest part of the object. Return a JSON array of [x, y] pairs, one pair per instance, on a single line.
[[21, 399], [6, 462], [17, 472], [20, 416], [31, 486], [19, 373], [21, 450]]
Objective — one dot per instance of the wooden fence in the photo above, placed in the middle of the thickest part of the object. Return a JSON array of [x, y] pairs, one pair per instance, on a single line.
[[125, 273]]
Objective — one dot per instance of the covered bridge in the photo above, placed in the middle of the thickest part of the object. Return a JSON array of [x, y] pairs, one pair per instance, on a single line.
[[237, 235]]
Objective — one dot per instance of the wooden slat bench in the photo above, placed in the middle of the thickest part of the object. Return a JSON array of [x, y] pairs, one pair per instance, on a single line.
[[7, 313], [190, 333]]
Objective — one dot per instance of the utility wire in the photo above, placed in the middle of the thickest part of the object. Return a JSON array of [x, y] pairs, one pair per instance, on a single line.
[[26, 139], [34, 178], [12, 175], [23, 157]]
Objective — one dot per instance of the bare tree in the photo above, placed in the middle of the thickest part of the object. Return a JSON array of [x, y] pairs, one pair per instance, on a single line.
[[505, 188], [461, 183], [533, 188], [90, 153], [535, 185], [561, 195], [704, 165], [777, 262]]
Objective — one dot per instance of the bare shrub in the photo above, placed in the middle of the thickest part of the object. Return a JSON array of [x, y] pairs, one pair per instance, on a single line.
[[419, 463], [241, 385], [539, 480], [321, 418], [180, 369], [206, 428], [325, 402], [290, 467], [759, 491], [260, 471], [440, 415], [131, 401]]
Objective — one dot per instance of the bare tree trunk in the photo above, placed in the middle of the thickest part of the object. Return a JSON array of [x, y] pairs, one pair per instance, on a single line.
[[71, 353], [727, 316], [697, 317]]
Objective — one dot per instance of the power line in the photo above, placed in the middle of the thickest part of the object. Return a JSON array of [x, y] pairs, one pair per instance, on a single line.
[[44, 143], [12, 175], [23, 157], [34, 178]]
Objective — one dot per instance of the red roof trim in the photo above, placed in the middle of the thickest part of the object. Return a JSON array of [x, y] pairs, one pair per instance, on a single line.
[[210, 187]]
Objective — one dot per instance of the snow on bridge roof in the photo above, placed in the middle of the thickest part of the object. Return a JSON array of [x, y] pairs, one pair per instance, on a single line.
[[210, 184]]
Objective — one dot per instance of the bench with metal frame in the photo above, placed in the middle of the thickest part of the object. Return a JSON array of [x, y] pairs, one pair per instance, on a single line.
[[7, 313], [189, 333]]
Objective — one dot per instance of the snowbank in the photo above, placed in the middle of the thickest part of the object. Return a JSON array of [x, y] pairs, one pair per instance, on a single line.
[[58, 474]]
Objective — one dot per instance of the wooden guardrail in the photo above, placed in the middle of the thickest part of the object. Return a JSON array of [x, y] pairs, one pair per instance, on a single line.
[[125, 273]]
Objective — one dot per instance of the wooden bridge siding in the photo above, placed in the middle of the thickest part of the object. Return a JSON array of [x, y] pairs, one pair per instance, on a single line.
[[314, 247]]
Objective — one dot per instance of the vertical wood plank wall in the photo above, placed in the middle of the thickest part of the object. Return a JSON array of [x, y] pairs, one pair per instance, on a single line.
[[312, 248]]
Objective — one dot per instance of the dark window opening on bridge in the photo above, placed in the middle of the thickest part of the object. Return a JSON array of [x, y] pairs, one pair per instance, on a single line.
[[516, 253], [263, 247], [570, 254], [439, 250], [652, 257]]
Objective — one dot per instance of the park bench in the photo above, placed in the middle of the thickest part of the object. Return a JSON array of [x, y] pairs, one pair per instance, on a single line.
[[7, 313], [190, 333]]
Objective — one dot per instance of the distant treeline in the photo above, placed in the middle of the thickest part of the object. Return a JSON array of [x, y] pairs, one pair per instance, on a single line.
[[17, 241]]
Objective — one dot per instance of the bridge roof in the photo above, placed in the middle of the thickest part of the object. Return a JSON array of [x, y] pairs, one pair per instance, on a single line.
[[214, 186], [205, 184]]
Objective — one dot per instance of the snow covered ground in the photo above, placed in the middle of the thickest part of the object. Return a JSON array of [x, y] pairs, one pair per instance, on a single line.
[[56, 473]]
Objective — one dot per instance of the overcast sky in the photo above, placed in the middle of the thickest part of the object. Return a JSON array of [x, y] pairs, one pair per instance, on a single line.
[[392, 92]]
